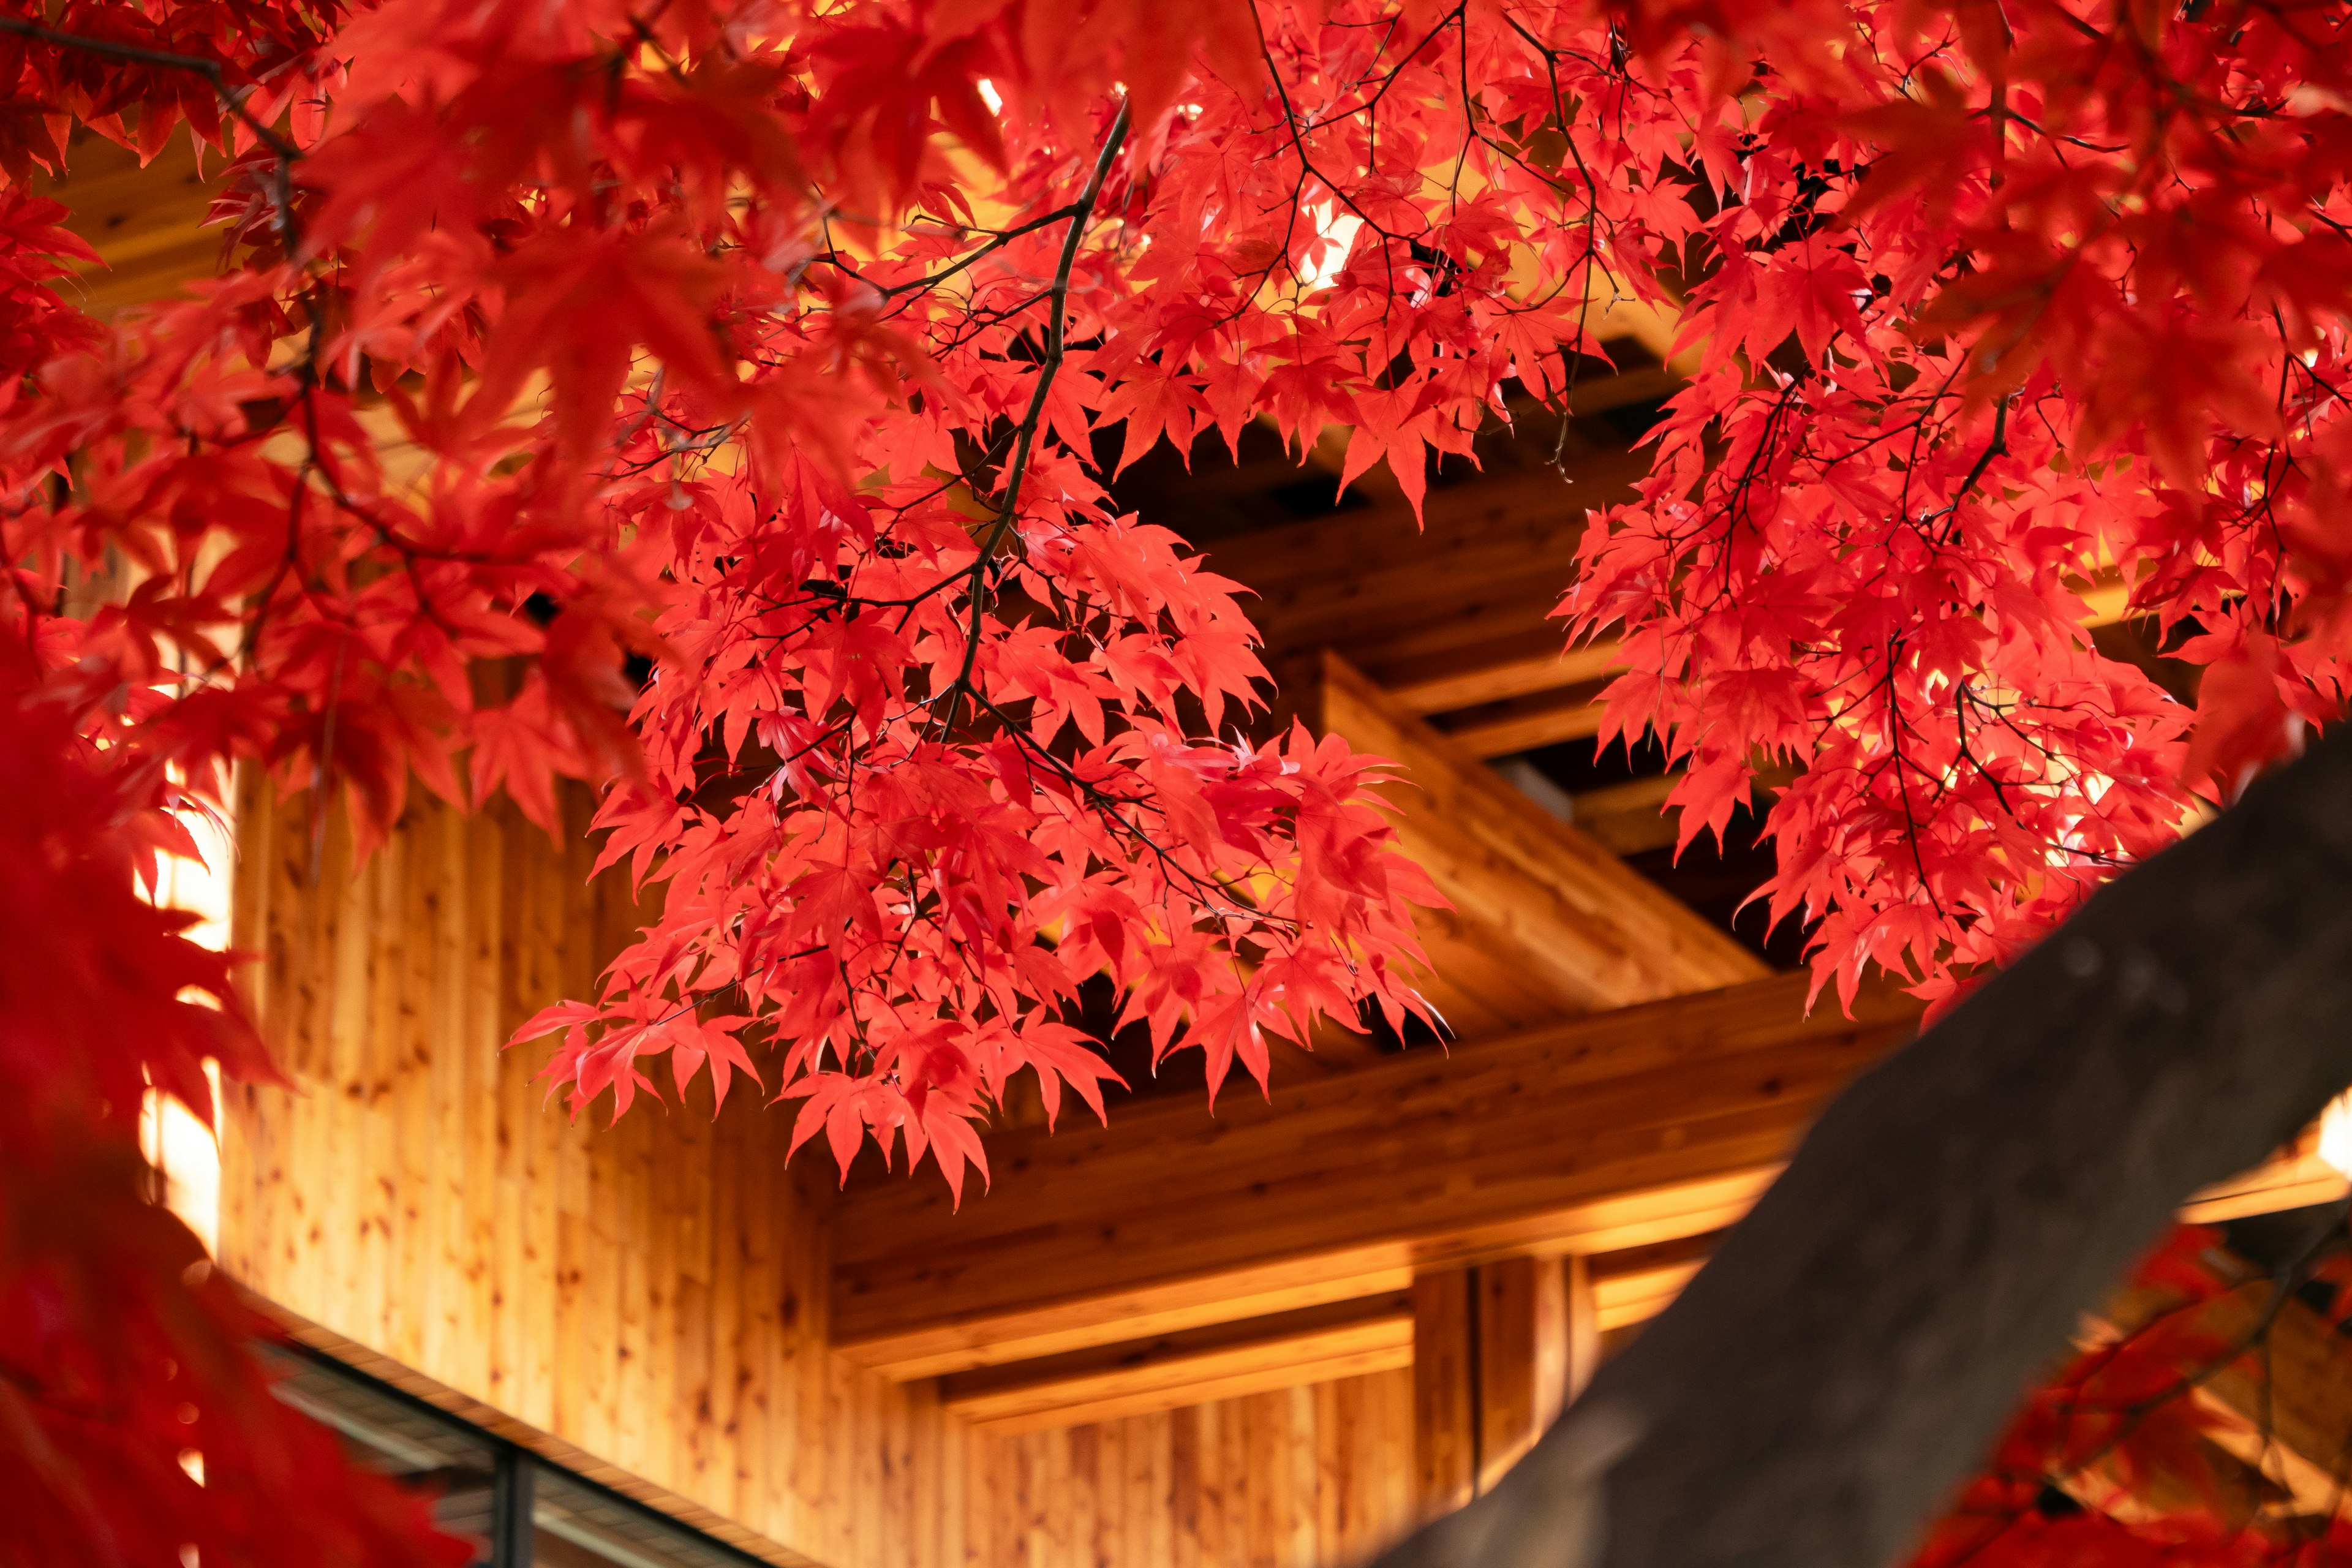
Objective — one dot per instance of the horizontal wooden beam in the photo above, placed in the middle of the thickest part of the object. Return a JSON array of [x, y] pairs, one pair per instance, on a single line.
[[1614, 1130], [1637, 383], [1314, 1344], [2298, 1178], [1635, 1285], [1552, 901], [1529, 727], [1547, 671], [1523, 681], [1469, 586], [1310, 577], [1376, 1332], [1630, 817]]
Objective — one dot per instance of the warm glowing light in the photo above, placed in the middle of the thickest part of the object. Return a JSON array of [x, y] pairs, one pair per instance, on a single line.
[[182, 1147], [1338, 236], [990, 96], [175, 1139], [2336, 1133]]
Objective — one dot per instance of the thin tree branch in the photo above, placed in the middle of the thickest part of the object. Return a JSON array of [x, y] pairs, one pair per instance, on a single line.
[[1025, 433]]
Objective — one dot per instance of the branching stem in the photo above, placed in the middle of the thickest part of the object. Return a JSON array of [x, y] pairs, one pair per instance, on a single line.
[[1025, 436]]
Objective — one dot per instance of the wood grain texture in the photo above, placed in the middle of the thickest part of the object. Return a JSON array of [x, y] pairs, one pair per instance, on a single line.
[[649, 1295], [1444, 1390], [1524, 703], [1523, 1357], [1313, 1476], [652, 1300], [1626, 1128], [1468, 588], [1584, 1329], [1490, 1372], [556, 1450], [148, 223], [1524, 724], [1632, 1286], [1546, 899], [2294, 1178], [1373, 1333], [1546, 671]]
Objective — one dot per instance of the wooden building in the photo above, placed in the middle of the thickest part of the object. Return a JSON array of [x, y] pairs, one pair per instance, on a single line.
[[1277, 1335]]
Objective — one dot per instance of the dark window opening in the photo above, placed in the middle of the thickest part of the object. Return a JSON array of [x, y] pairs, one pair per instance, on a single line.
[[518, 1509]]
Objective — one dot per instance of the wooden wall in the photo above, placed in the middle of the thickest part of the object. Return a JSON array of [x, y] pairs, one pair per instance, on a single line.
[[651, 1295], [1319, 1477]]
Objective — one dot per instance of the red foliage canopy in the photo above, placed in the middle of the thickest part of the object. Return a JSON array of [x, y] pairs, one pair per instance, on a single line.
[[704, 399]]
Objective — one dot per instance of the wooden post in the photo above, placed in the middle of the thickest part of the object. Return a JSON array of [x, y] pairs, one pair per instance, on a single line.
[[1444, 1363], [1523, 1358], [1497, 1350], [1583, 1323]]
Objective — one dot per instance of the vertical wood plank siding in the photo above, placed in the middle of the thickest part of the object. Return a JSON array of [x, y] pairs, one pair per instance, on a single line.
[[651, 1292], [1319, 1477], [654, 1293]]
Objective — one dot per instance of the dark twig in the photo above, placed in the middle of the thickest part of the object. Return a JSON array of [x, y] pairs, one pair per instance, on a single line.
[[232, 99], [1026, 434]]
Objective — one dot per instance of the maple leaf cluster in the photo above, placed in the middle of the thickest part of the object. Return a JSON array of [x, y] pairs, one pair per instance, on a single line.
[[716, 400], [770, 351], [1992, 307], [135, 1425], [716, 405]]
